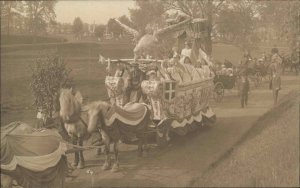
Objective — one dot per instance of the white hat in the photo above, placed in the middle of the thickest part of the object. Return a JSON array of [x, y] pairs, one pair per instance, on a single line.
[[151, 72]]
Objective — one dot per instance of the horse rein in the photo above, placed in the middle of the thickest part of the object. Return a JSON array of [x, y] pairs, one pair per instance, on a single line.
[[83, 122]]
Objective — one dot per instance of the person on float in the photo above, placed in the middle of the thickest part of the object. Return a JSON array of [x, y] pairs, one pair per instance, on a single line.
[[133, 91], [206, 69], [188, 67], [152, 75], [186, 51], [198, 72], [175, 69]]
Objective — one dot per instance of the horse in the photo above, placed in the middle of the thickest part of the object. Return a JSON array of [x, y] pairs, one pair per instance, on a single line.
[[111, 130], [75, 126], [114, 125]]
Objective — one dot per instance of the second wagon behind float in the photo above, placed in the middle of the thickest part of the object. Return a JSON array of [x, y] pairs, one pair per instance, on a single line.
[[176, 105]]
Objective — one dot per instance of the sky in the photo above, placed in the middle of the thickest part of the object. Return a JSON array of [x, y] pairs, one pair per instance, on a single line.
[[99, 11]]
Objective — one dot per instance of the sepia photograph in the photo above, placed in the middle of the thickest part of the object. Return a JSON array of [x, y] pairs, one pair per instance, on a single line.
[[150, 93]]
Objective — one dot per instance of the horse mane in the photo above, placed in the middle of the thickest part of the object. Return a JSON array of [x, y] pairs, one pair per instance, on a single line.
[[70, 105], [97, 108]]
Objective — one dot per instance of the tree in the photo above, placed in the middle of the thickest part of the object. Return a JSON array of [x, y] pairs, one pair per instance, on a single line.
[[236, 23], [206, 9], [39, 13], [49, 75], [147, 12], [10, 11], [283, 18], [77, 27], [99, 30], [114, 27]]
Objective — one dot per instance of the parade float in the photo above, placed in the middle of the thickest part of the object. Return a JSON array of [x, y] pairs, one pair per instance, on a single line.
[[177, 104]]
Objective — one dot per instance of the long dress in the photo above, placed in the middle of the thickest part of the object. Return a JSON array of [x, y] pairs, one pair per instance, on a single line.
[[276, 69]]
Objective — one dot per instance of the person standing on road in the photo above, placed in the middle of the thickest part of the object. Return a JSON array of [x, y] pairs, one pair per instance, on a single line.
[[295, 61], [244, 89], [276, 70]]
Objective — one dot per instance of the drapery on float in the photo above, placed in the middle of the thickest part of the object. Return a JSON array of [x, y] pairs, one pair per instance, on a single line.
[[34, 158], [177, 92]]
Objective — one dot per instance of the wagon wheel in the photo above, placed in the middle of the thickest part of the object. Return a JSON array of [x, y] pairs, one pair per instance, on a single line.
[[218, 92]]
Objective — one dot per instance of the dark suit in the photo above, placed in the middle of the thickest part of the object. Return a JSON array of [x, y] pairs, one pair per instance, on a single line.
[[244, 89]]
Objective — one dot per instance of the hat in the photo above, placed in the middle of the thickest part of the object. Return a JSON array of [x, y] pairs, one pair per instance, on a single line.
[[151, 72], [187, 42], [274, 50]]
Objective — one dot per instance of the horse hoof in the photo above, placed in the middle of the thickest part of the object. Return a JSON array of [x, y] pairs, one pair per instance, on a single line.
[[105, 166], [115, 168], [80, 165]]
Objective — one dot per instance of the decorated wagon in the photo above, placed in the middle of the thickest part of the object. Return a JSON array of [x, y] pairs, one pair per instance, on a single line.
[[177, 105], [34, 158]]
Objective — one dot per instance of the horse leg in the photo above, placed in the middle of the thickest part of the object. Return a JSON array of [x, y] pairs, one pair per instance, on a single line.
[[99, 150], [145, 144], [81, 158], [6, 181], [115, 167], [76, 154], [140, 146], [107, 162]]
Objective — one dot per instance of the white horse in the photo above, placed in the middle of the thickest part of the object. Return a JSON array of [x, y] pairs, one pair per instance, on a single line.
[[116, 124], [74, 124], [79, 128]]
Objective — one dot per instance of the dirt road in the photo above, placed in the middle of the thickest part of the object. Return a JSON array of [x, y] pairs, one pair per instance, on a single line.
[[268, 156], [187, 158]]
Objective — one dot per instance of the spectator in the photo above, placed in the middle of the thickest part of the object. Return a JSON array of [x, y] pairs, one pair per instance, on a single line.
[[295, 61], [276, 70], [244, 89]]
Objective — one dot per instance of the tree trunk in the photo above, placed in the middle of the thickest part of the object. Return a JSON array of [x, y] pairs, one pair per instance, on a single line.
[[208, 44]]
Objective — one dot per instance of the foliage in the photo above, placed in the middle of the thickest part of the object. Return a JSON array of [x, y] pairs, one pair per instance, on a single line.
[[77, 26], [11, 12], [282, 17], [147, 12], [49, 75], [114, 27], [40, 13], [237, 23], [206, 9], [100, 30]]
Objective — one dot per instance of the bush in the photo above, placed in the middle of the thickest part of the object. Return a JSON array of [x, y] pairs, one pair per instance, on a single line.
[[49, 75]]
